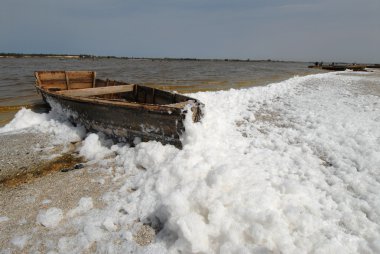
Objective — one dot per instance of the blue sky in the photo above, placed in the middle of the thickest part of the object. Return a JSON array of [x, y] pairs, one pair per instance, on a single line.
[[336, 30]]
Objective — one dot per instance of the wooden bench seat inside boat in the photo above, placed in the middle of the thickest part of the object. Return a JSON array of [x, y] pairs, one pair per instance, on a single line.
[[88, 92]]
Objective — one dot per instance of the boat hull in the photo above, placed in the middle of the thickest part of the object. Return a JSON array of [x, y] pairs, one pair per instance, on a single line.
[[121, 122]]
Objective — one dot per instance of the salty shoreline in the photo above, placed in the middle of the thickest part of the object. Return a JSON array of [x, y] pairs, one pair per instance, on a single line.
[[21, 204], [26, 153], [303, 170], [31, 180]]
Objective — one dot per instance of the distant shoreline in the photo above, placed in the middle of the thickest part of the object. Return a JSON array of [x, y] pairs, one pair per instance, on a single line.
[[84, 56]]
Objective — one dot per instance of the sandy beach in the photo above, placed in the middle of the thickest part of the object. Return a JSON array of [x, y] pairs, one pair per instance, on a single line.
[[28, 153], [31, 180]]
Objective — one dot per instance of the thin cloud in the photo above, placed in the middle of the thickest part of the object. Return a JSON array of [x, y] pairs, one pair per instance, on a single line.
[[338, 30]]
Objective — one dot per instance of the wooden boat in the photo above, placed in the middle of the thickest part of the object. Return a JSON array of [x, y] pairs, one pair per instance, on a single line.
[[121, 110]]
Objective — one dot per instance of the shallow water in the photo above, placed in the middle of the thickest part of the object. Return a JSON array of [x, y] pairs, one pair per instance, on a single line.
[[16, 75]]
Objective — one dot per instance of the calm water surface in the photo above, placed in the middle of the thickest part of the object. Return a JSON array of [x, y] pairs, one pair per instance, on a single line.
[[17, 80]]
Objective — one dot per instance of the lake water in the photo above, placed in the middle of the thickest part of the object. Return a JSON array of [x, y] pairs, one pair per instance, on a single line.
[[17, 79]]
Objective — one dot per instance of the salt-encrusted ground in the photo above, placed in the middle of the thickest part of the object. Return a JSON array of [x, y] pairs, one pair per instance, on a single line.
[[293, 167], [21, 152]]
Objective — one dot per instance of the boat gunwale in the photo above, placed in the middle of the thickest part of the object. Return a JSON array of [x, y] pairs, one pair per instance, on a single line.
[[169, 108], [134, 105]]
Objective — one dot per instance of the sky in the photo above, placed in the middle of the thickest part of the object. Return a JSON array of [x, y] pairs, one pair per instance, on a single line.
[[334, 30]]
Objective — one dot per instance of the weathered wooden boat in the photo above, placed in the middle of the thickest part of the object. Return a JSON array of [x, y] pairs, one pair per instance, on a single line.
[[121, 110]]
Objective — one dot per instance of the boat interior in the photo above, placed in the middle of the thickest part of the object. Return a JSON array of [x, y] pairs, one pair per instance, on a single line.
[[84, 84]]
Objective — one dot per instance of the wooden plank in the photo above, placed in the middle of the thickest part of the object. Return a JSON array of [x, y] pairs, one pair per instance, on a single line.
[[82, 79], [37, 78], [180, 104], [47, 86], [80, 74], [61, 81], [87, 92], [93, 79], [80, 85], [59, 75], [46, 82], [63, 86], [67, 81]]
